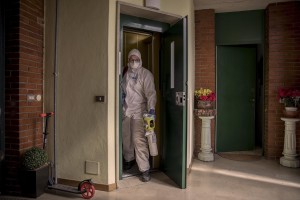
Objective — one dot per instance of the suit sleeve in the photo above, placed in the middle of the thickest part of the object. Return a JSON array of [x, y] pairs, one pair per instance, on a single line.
[[149, 88]]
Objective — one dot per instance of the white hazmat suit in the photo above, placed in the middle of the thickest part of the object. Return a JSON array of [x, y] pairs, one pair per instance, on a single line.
[[139, 96]]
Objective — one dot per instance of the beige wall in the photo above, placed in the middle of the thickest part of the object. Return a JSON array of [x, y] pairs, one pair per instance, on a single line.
[[87, 130], [82, 74]]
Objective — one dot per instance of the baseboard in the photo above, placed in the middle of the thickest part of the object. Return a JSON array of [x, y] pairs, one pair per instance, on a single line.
[[101, 187], [189, 169]]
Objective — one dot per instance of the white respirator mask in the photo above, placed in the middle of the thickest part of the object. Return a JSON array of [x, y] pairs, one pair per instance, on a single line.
[[134, 64]]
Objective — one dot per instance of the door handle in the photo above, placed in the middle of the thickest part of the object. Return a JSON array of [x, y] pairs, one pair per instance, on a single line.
[[180, 98]]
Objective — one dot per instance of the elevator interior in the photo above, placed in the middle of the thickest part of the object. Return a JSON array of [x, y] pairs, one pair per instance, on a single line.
[[148, 43]]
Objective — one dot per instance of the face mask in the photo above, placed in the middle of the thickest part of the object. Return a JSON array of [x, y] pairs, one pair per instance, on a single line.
[[134, 65]]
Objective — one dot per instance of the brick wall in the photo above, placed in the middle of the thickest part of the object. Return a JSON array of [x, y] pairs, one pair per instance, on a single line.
[[205, 68], [23, 76], [282, 69], [11, 94]]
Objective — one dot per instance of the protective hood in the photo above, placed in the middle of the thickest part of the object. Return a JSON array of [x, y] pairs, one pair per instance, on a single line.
[[136, 53]]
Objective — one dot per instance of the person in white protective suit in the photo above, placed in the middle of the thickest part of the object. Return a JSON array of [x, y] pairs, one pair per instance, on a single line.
[[139, 97]]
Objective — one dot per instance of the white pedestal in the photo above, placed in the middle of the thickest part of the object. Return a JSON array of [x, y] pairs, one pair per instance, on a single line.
[[205, 150], [289, 151]]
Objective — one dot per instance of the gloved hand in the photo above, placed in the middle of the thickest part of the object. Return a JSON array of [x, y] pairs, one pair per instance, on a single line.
[[152, 112]]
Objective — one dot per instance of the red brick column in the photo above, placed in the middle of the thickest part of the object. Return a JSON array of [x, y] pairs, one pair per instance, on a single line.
[[205, 67], [23, 76], [282, 53]]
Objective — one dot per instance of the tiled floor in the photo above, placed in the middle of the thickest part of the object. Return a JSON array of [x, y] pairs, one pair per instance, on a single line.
[[222, 179]]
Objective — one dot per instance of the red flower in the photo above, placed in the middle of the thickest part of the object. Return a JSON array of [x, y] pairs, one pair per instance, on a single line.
[[295, 93], [283, 93], [210, 97], [290, 97]]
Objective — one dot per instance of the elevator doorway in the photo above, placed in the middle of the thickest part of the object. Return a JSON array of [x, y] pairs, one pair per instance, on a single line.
[[171, 79], [148, 43], [168, 63]]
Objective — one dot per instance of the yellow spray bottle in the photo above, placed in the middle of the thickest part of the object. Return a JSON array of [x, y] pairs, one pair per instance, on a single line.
[[149, 123]]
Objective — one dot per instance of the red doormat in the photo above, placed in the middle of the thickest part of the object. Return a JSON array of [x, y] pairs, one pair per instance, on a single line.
[[240, 157]]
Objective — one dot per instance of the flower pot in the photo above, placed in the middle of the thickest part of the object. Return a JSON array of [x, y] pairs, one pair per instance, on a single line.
[[205, 112], [292, 109], [205, 104], [291, 112], [34, 182]]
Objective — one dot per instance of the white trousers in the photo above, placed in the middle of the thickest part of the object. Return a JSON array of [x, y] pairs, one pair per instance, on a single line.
[[134, 140]]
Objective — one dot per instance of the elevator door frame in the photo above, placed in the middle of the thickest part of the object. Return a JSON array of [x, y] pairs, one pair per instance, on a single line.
[[158, 22]]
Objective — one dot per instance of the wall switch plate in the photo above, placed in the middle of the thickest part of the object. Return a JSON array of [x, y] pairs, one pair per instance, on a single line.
[[100, 99], [30, 97], [34, 97]]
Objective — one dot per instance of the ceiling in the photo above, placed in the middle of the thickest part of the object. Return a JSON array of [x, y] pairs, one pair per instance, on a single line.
[[233, 5]]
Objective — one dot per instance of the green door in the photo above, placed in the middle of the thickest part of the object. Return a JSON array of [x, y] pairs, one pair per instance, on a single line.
[[236, 74], [173, 83]]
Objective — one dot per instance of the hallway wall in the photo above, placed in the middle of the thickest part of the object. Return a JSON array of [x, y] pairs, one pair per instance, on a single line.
[[83, 68], [24, 24], [86, 62], [205, 67], [282, 70], [81, 75], [282, 67]]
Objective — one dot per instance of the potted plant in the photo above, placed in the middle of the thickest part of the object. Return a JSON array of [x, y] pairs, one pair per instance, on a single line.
[[34, 172], [290, 98], [205, 98], [204, 102]]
